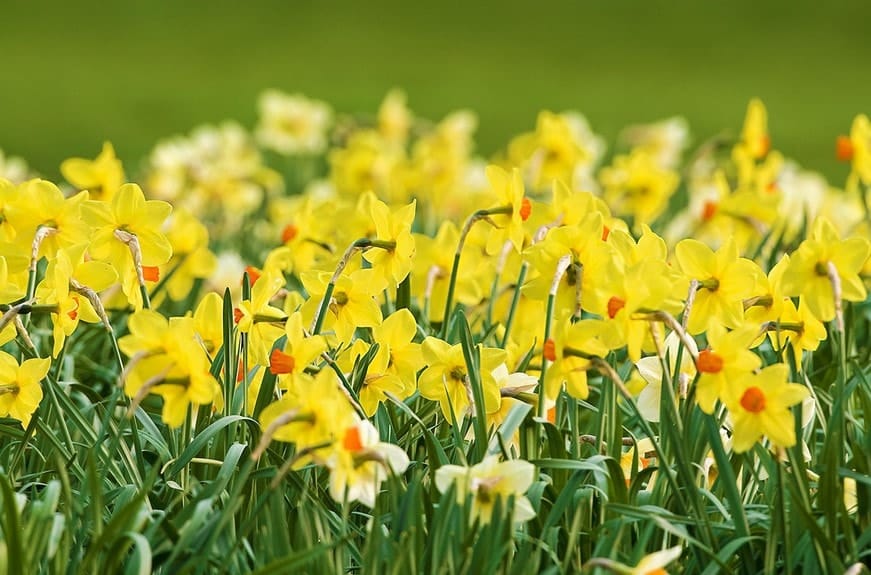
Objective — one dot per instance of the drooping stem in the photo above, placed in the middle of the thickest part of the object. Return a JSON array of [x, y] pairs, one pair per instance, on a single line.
[[561, 267], [132, 243]]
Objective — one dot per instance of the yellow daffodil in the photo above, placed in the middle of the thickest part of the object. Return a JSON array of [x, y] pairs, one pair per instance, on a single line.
[[798, 327], [759, 405], [818, 261], [394, 117], [725, 281], [72, 306], [635, 185], [191, 257], [727, 358], [42, 206], [446, 377], [352, 304], [8, 202], [129, 212], [392, 253], [298, 353], [592, 261], [315, 418], [510, 210], [370, 163], [856, 149], [404, 357], [260, 320], [20, 389], [570, 350], [209, 322], [101, 176], [562, 147]]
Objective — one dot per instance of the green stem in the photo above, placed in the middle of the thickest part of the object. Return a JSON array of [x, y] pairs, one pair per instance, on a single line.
[[561, 267], [452, 283], [515, 300]]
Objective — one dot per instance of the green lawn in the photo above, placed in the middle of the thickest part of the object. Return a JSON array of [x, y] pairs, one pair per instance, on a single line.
[[74, 76]]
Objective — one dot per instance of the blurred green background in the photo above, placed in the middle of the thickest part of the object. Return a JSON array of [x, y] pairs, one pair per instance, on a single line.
[[75, 74]]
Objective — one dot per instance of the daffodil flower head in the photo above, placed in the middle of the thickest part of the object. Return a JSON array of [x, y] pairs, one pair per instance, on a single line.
[[42, 209], [299, 352], [488, 482], [393, 247], [20, 389], [292, 124], [759, 405], [314, 417], [570, 350], [352, 303], [446, 378], [395, 336], [650, 369], [725, 281], [101, 176], [510, 210], [360, 463], [823, 260], [727, 358]]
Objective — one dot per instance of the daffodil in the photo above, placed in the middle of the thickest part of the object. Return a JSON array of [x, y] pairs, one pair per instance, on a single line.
[[488, 482], [209, 322], [759, 405], [129, 212], [650, 368], [446, 378], [72, 306], [821, 259], [369, 162], [41, 208], [191, 257], [725, 281], [167, 359], [258, 318], [197, 387], [592, 261], [394, 117], [352, 303], [570, 350], [727, 358], [129, 215], [360, 463], [101, 176], [512, 387], [378, 380], [856, 149], [292, 124], [404, 357], [636, 185], [298, 353], [562, 147], [797, 327], [20, 389], [8, 202], [510, 210], [392, 252], [314, 418]]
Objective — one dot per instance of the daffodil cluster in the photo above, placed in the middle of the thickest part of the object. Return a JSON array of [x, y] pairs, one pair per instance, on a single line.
[[315, 310]]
